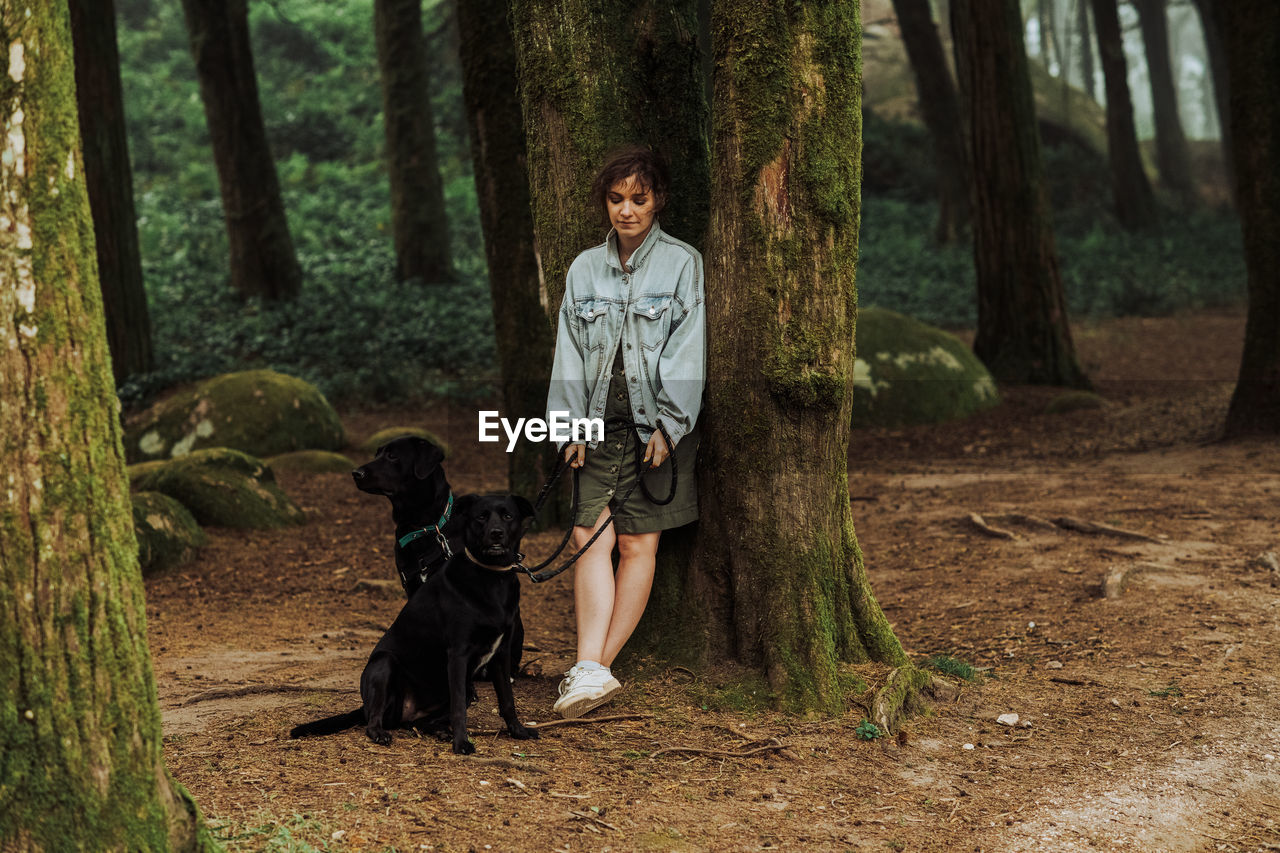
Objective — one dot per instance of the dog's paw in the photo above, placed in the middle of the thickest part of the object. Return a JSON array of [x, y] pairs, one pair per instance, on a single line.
[[520, 732], [381, 737], [464, 747]]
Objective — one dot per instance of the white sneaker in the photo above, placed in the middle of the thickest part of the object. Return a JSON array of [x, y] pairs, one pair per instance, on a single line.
[[584, 689]]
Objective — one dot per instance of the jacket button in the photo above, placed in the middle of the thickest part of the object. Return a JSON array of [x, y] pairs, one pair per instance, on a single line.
[[650, 310], [590, 314]]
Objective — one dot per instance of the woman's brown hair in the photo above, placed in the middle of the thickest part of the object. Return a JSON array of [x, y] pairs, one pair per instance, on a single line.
[[622, 163]]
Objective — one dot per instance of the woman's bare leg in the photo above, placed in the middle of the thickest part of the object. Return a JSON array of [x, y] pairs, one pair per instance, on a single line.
[[593, 589], [637, 553]]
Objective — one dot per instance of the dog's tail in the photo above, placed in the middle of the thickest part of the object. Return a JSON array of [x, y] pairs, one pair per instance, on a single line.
[[330, 725]]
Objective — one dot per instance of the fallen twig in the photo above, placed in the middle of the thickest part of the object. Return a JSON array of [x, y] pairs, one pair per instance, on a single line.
[[775, 744], [594, 818], [254, 689], [1079, 525], [577, 721], [986, 529], [1029, 520], [505, 762]]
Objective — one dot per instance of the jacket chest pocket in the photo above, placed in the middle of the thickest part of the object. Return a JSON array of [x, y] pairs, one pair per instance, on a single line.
[[651, 316], [592, 317]]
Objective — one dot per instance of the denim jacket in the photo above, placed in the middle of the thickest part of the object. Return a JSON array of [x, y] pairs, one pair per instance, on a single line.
[[656, 309]]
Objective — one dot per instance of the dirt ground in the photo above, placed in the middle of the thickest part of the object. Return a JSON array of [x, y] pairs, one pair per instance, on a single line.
[[1143, 669]]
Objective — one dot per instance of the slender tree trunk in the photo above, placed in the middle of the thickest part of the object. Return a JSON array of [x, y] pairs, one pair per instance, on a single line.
[[263, 262], [1022, 335], [525, 335], [418, 218], [110, 182], [80, 748], [593, 76], [940, 106], [1251, 38], [1221, 86], [776, 579], [1086, 48], [1173, 159], [1134, 203]]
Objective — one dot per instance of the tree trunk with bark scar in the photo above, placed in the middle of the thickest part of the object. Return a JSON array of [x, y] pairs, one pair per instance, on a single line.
[[418, 219], [110, 182], [525, 336], [594, 76], [263, 262], [80, 746], [1173, 158], [776, 580], [940, 107], [1023, 335], [1251, 38], [1134, 203]]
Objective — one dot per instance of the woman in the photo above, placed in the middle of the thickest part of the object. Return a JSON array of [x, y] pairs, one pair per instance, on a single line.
[[631, 343]]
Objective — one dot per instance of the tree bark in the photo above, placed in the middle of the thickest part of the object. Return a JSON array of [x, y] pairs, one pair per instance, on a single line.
[[263, 262], [1134, 203], [110, 183], [1221, 86], [80, 745], [776, 580], [525, 335], [1023, 335], [594, 76], [940, 107], [418, 219], [1173, 159], [1251, 38]]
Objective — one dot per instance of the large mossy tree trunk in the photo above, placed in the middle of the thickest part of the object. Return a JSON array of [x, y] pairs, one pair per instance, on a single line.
[[1173, 158], [419, 222], [80, 746], [263, 262], [1131, 191], [593, 76], [525, 336], [776, 580], [110, 181], [940, 107], [1023, 335], [1251, 38]]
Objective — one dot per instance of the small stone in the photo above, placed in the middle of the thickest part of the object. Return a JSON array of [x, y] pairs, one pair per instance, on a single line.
[[1007, 719], [1054, 664], [968, 746], [1267, 757]]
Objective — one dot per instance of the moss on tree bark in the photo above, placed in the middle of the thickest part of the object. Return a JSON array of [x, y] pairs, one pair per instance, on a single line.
[[80, 757]]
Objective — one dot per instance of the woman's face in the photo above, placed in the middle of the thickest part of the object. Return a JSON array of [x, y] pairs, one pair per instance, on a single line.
[[632, 207]]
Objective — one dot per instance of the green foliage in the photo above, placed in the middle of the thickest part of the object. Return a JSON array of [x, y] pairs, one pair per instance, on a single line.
[[868, 730], [952, 666], [1171, 689], [295, 834]]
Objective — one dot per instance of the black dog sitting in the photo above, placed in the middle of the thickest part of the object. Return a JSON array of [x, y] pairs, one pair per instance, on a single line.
[[407, 470], [454, 624]]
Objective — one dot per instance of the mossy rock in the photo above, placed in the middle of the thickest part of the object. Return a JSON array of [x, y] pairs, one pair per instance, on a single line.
[[168, 534], [908, 372], [311, 462], [1074, 401], [258, 411], [225, 488], [371, 444]]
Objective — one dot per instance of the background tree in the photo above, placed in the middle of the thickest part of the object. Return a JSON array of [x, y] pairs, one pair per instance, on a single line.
[[940, 107], [418, 219], [1173, 159], [80, 759], [1086, 48], [776, 580], [263, 262], [1221, 85], [524, 339], [1022, 334], [110, 182], [1251, 37], [1131, 191], [593, 76]]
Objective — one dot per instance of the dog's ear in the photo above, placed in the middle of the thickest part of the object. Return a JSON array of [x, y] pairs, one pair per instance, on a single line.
[[462, 506], [428, 458], [523, 507]]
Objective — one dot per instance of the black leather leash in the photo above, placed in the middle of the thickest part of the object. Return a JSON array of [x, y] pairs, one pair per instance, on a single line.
[[535, 573]]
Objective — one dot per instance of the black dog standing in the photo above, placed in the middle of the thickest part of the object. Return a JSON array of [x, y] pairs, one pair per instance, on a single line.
[[454, 624], [407, 470]]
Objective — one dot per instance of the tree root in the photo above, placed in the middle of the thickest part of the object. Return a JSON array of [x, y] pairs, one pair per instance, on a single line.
[[904, 693], [254, 689], [774, 744], [986, 529], [1064, 522]]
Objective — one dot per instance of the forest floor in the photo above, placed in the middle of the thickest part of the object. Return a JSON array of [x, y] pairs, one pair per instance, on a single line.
[[1144, 671]]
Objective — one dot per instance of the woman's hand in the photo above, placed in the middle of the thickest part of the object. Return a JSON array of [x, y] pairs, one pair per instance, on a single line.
[[657, 451], [576, 455]]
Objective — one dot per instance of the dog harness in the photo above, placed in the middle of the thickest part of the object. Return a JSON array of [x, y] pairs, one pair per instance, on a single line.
[[425, 565]]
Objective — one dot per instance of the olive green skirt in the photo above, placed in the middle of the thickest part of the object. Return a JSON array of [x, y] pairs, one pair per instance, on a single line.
[[610, 472]]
